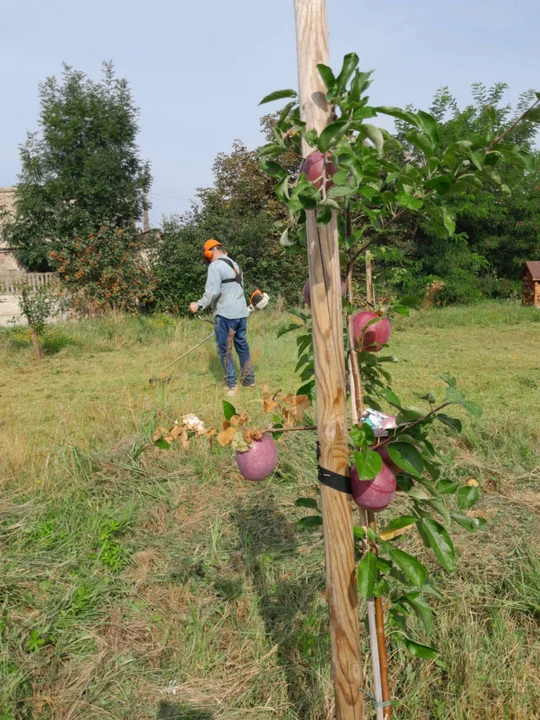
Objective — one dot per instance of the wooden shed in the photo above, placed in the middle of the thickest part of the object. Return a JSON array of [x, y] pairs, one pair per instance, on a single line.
[[530, 277]]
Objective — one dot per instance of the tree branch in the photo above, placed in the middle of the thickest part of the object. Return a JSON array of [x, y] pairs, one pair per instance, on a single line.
[[509, 130]]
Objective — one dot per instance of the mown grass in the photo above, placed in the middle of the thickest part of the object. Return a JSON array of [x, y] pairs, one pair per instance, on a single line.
[[163, 586]]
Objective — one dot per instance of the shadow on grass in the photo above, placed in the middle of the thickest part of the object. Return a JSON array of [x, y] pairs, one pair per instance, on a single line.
[[171, 711], [288, 606]]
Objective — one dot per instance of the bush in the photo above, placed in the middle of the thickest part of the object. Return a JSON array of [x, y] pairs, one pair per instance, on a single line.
[[106, 271]]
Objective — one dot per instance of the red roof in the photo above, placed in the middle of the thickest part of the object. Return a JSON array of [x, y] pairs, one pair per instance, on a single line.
[[533, 267]]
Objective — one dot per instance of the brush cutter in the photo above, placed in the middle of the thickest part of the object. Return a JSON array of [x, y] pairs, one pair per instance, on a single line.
[[257, 301]]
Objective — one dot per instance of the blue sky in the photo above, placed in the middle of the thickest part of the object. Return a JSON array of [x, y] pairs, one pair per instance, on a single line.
[[198, 69]]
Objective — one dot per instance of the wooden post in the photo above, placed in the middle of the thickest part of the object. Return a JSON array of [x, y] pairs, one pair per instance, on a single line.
[[370, 289], [325, 283]]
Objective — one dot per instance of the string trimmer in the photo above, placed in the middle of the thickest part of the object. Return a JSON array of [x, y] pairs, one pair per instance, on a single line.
[[257, 301]]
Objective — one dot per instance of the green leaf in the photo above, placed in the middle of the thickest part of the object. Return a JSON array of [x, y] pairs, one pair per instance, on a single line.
[[448, 223], [406, 200], [330, 134], [309, 523], [350, 63], [405, 115], [439, 507], [451, 422], [406, 457], [429, 126], [368, 463], [413, 568], [309, 198], [472, 408], [421, 141], [399, 523], [228, 410], [419, 650], [470, 524], [421, 608], [162, 444], [367, 574], [392, 398], [441, 184], [359, 532], [477, 159], [533, 115], [375, 135], [324, 215], [327, 75], [467, 496], [362, 435], [436, 537], [278, 95], [306, 389], [447, 487], [272, 168], [306, 502], [282, 189]]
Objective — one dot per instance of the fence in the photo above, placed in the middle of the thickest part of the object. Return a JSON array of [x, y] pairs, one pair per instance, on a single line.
[[10, 282]]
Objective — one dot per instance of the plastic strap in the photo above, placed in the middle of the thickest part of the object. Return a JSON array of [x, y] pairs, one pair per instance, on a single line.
[[341, 483]]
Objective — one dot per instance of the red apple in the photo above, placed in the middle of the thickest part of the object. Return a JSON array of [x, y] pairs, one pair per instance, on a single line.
[[307, 291], [375, 336], [315, 166], [373, 494], [259, 461]]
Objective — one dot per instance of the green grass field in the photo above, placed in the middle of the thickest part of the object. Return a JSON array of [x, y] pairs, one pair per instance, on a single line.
[[164, 586]]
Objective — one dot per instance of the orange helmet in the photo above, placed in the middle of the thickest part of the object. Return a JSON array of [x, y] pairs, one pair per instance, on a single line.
[[209, 245]]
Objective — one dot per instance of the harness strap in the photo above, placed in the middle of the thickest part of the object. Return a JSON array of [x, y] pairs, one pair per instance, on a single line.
[[237, 275]]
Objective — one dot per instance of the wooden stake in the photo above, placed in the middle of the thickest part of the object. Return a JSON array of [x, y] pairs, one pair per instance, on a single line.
[[370, 289], [325, 283]]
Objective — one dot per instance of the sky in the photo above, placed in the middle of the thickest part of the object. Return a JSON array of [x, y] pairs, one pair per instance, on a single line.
[[198, 69]]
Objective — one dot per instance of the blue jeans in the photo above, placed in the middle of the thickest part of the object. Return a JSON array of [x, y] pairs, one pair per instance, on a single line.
[[229, 333]]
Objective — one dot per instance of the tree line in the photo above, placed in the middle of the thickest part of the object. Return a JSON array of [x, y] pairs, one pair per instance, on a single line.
[[83, 188]]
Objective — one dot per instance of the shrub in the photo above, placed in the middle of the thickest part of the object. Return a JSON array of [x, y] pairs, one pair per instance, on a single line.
[[106, 271]]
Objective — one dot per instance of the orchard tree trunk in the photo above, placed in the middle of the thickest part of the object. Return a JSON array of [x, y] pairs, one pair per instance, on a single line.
[[38, 350]]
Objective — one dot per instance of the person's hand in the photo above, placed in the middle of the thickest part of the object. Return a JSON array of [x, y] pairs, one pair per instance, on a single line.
[[194, 307]]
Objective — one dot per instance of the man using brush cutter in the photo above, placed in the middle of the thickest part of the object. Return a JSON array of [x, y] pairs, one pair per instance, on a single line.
[[224, 293]]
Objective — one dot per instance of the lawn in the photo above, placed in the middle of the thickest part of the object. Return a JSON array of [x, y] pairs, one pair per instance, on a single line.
[[161, 585]]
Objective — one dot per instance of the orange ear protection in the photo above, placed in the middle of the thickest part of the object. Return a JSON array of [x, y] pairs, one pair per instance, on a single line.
[[209, 245]]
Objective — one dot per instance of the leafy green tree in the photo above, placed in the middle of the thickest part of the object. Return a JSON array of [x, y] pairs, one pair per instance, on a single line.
[[497, 224], [81, 169]]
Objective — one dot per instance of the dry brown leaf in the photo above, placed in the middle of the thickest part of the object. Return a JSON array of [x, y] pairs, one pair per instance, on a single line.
[[298, 404], [239, 420], [175, 431], [210, 433], [257, 434], [226, 437], [269, 405], [391, 534], [159, 433], [266, 392], [226, 425], [184, 438]]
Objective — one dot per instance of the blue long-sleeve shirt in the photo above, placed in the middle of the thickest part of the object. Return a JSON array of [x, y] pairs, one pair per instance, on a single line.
[[226, 299]]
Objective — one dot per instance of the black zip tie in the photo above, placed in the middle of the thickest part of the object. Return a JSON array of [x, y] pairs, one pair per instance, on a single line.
[[341, 483]]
